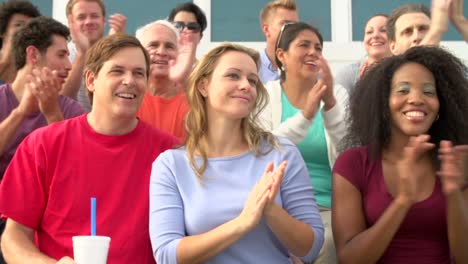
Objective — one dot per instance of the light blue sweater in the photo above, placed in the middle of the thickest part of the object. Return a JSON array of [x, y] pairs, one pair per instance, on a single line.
[[180, 206]]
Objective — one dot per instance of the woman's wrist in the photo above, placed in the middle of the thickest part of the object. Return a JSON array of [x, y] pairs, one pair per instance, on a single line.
[[329, 103]]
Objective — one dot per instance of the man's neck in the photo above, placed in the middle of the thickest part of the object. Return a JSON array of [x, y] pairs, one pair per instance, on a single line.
[[271, 54], [164, 88], [104, 125]]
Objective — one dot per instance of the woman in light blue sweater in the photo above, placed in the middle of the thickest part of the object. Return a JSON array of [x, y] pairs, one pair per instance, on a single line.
[[233, 193]]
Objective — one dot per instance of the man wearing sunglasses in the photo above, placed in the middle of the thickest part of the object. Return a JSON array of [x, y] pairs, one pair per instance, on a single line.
[[272, 17], [189, 19]]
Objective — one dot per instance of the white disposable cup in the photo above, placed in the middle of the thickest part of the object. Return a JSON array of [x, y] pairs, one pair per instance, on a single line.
[[90, 249]]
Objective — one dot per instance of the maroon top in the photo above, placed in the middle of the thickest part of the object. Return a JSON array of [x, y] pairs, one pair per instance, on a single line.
[[422, 236]]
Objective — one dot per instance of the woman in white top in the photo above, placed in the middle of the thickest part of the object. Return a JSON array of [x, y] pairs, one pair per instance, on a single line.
[[308, 109]]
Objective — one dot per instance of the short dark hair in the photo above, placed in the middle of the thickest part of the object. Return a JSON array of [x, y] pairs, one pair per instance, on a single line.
[[12, 7], [37, 32], [402, 10], [106, 47], [369, 113], [289, 34], [191, 8]]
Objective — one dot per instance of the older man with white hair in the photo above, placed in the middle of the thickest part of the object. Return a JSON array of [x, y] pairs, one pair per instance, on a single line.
[[172, 57]]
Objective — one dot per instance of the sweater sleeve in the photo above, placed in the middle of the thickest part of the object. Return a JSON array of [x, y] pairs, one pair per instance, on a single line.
[[334, 122], [167, 225], [299, 201], [294, 128]]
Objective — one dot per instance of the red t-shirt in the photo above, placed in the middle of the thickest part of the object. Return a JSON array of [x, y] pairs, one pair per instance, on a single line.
[[422, 236], [57, 169], [165, 114]]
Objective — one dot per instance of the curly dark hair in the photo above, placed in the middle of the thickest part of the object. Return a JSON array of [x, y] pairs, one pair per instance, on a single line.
[[37, 32], [190, 8], [12, 7], [369, 114]]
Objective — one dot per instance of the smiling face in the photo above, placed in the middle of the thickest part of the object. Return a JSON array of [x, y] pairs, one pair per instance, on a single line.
[[56, 57], [231, 91], [118, 88], [161, 44], [413, 101], [90, 19], [302, 57], [188, 18], [375, 38]]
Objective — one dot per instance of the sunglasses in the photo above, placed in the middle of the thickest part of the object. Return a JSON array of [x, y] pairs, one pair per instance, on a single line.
[[192, 26], [281, 33]]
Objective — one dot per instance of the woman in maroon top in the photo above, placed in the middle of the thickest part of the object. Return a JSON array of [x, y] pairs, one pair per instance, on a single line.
[[400, 196]]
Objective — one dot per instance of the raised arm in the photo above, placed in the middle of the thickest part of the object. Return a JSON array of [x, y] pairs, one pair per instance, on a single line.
[[185, 61], [18, 246], [45, 86], [458, 18], [294, 128], [10, 125], [439, 22], [7, 62], [167, 230], [117, 23], [75, 76]]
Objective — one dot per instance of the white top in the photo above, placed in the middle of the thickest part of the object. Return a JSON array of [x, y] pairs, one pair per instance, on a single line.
[[295, 128]]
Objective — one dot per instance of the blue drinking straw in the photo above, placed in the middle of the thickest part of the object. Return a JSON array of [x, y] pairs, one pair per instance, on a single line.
[[93, 216]]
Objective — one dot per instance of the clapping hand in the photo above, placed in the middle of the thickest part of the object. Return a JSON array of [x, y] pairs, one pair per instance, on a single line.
[[261, 198], [453, 167], [81, 41], [45, 86], [327, 77], [314, 97], [409, 177], [117, 23]]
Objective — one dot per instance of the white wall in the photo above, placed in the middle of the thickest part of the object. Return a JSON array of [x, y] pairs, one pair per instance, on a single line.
[[339, 52]]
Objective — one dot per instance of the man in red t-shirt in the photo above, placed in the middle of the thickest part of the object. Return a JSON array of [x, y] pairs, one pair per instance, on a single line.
[[105, 154]]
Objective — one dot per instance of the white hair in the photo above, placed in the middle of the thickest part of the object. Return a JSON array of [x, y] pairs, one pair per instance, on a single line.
[[141, 30]]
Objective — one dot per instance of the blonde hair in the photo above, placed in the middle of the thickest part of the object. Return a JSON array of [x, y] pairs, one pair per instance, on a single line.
[[196, 123], [267, 12], [71, 4]]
